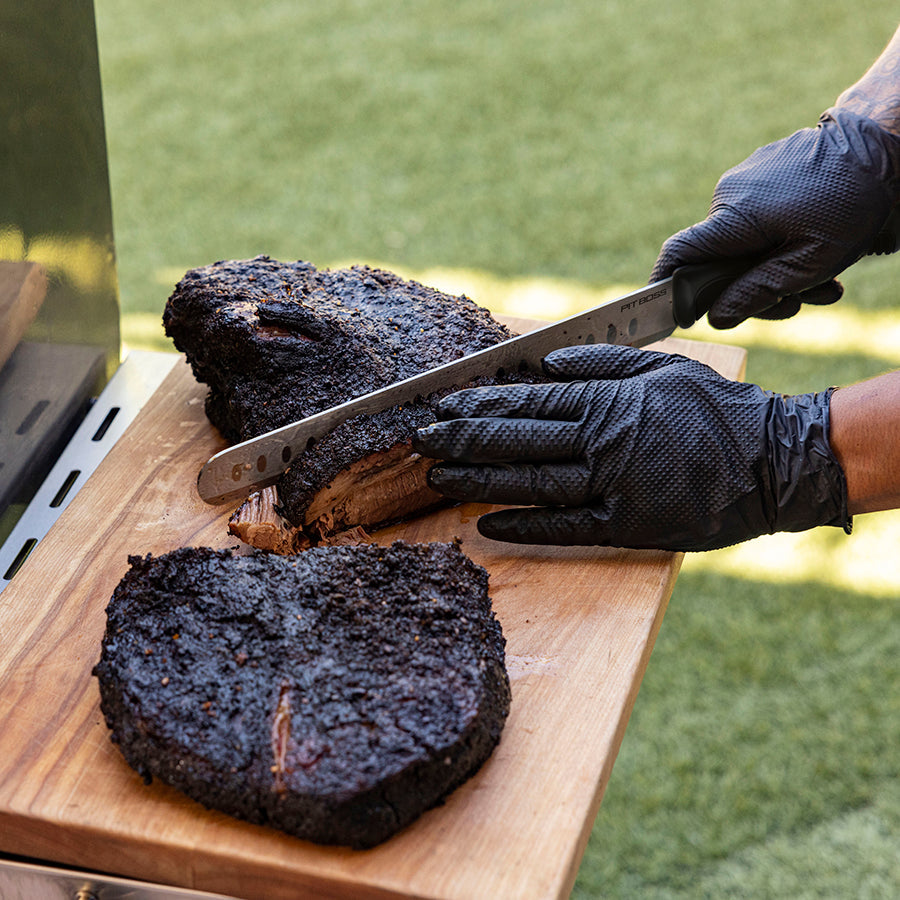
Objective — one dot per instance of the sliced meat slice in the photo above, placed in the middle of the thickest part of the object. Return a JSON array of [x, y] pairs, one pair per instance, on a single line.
[[376, 490]]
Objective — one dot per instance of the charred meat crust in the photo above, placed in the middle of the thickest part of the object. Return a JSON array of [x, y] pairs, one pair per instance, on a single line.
[[351, 441], [335, 695], [278, 341], [354, 440]]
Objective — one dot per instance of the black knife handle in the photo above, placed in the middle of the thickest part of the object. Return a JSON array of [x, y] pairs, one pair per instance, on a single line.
[[696, 288]]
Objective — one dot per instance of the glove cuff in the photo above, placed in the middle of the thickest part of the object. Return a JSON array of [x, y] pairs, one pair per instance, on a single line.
[[808, 484], [877, 150]]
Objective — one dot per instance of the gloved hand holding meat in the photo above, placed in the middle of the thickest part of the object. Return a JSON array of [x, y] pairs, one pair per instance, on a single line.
[[641, 449], [803, 208]]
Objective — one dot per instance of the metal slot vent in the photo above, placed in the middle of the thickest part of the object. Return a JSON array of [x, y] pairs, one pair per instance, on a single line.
[[113, 411]]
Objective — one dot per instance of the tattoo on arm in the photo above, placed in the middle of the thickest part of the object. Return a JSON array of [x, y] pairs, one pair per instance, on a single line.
[[877, 94]]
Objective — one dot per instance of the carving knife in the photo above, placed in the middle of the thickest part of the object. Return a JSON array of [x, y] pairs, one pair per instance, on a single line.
[[638, 318]]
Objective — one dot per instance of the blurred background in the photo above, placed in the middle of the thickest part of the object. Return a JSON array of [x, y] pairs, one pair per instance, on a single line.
[[534, 155]]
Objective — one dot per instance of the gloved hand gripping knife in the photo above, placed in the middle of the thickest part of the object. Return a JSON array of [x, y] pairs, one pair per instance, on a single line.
[[799, 211]]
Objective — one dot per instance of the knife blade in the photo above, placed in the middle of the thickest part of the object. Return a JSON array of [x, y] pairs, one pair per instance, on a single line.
[[636, 319]]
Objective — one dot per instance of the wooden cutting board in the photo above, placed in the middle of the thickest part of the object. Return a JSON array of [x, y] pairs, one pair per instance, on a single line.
[[23, 287], [580, 625]]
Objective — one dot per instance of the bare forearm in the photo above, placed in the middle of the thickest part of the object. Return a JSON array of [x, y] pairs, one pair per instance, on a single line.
[[877, 94], [865, 417], [865, 437]]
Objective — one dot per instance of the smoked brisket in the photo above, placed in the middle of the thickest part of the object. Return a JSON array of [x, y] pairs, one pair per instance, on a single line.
[[276, 342], [335, 695]]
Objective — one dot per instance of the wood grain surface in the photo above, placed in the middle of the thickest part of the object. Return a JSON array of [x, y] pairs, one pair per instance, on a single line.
[[23, 287], [579, 622]]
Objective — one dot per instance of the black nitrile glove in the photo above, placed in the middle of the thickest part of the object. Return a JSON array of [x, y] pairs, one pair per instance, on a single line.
[[803, 209], [644, 449]]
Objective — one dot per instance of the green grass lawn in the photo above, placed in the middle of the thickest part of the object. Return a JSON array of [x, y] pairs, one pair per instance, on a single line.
[[535, 155]]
